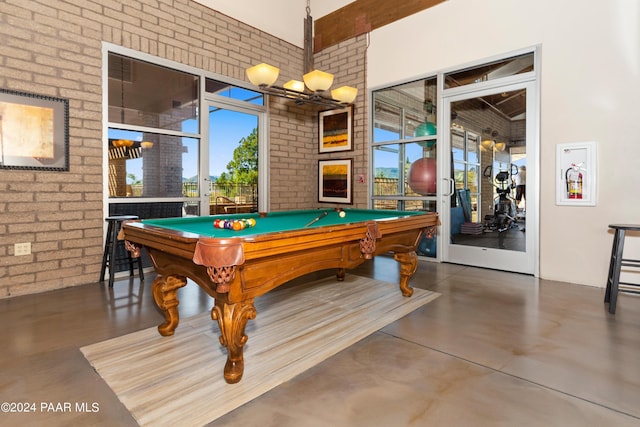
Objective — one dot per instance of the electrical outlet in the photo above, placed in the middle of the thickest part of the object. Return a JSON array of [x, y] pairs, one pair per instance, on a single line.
[[22, 249]]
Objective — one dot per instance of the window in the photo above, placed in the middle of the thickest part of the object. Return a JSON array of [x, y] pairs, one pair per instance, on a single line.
[[502, 68], [226, 90], [154, 130], [172, 151], [465, 147], [404, 146]]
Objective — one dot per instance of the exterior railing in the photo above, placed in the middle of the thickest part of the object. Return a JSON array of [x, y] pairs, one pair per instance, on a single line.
[[223, 198], [231, 193]]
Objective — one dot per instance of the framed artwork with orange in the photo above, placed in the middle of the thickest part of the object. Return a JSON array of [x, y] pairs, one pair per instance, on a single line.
[[34, 131], [335, 130], [335, 181]]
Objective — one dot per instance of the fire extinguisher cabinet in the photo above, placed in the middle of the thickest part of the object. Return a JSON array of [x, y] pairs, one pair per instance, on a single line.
[[576, 180]]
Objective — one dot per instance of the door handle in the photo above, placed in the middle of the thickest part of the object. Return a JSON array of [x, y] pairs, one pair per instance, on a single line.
[[451, 186]]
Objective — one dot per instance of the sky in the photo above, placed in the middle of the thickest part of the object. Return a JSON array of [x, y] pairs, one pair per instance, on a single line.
[[226, 129]]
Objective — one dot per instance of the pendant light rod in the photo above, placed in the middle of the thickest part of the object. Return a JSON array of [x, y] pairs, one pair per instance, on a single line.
[[308, 40]]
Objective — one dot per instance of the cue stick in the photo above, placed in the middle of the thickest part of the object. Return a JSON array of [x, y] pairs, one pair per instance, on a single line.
[[316, 219]]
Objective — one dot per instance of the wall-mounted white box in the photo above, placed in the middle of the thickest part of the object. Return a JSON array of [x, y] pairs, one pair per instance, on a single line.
[[576, 165], [20, 249]]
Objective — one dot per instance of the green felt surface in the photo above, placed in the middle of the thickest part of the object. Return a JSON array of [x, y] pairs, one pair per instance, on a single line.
[[274, 221]]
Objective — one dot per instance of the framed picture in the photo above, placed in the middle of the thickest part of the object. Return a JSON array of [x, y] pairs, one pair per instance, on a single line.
[[335, 130], [335, 181], [34, 131], [576, 168]]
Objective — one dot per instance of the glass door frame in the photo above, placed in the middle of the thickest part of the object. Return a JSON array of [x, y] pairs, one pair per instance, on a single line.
[[260, 112], [501, 259]]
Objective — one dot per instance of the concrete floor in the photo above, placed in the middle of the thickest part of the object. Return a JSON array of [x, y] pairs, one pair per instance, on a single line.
[[496, 349]]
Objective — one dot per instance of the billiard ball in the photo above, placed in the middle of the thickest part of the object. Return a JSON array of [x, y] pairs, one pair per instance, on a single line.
[[342, 214]]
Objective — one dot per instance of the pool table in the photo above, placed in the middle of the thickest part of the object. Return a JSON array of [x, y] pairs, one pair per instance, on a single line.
[[236, 266]]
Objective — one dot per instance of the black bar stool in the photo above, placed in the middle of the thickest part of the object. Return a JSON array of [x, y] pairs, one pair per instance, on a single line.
[[617, 261], [111, 244]]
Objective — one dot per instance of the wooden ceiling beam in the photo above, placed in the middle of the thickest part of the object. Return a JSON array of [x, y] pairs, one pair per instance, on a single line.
[[362, 16]]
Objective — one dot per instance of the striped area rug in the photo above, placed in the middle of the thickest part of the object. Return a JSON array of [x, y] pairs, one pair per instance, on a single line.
[[160, 379]]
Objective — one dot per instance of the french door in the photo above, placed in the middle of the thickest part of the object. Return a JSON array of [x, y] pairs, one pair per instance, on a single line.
[[489, 213]]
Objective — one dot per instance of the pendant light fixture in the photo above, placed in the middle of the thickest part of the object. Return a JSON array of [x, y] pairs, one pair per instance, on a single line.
[[317, 82]]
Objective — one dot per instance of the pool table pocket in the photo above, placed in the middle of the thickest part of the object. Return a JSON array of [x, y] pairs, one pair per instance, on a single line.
[[220, 256]]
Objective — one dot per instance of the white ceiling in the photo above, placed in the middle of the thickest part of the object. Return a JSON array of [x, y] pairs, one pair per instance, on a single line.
[[281, 18]]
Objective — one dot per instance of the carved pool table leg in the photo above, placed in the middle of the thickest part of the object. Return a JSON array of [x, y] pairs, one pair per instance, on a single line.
[[232, 319], [165, 289], [408, 265], [340, 274]]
